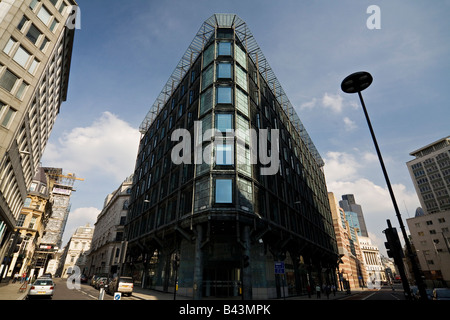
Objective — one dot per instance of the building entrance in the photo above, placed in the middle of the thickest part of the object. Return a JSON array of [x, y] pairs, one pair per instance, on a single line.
[[221, 281]]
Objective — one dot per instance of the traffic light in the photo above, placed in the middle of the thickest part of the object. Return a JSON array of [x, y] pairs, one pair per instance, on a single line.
[[246, 261], [393, 245]]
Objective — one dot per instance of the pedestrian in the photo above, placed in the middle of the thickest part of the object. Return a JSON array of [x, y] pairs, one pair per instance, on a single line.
[[333, 287], [16, 276], [308, 289], [318, 291]]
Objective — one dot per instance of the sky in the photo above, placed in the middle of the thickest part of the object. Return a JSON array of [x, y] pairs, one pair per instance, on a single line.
[[125, 51]]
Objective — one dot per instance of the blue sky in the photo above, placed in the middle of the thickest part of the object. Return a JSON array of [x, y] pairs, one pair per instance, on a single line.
[[125, 52]]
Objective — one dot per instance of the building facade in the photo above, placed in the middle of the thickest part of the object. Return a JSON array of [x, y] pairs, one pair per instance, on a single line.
[[351, 270], [372, 261], [430, 228], [35, 57], [221, 226], [78, 245], [106, 253], [30, 227], [354, 214]]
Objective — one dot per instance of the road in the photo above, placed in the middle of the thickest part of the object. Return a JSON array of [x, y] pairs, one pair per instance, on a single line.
[[384, 293], [86, 292]]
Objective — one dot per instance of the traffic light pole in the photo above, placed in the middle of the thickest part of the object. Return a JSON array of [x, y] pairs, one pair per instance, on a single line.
[[396, 252], [411, 254]]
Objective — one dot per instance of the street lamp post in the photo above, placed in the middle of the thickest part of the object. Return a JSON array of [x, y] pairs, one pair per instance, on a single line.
[[355, 83]]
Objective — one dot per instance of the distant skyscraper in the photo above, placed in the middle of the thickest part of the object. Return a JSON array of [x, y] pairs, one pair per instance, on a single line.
[[35, 58], [354, 214]]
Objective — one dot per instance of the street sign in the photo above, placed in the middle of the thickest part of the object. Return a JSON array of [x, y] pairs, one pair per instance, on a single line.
[[117, 295], [279, 267]]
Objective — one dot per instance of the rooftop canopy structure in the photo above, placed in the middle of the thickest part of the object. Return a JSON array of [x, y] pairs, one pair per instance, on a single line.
[[202, 37]]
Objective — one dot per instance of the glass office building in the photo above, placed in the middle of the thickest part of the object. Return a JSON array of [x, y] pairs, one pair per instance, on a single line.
[[227, 184]]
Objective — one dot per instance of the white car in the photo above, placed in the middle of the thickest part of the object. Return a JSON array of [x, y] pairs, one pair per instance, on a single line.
[[42, 287]]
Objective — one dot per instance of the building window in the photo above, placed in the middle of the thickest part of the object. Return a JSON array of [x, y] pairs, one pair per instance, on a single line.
[[8, 80], [224, 95], [224, 71], [21, 219], [22, 23], [224, 122], [22, 56], [44, 15], [224, 49], [33, 34], [8, 117], [224, 190], [224, 154], [27, 203]]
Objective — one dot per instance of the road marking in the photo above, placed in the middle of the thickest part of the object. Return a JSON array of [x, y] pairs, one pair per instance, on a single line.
[[369, 295]]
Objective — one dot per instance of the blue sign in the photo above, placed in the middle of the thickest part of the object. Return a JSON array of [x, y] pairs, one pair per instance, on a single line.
[[279, 267], [117, 296]]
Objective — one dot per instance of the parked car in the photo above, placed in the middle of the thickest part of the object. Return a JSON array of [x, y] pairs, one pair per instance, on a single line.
[[102, 281], [42, 287], [121, 284], [441, 294], [83, 278]]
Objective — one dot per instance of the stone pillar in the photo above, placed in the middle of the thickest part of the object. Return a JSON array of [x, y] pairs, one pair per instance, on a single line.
[[198, 264], [247, 270]]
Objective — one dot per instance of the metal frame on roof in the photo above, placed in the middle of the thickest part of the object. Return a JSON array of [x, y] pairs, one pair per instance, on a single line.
[[246, 37]]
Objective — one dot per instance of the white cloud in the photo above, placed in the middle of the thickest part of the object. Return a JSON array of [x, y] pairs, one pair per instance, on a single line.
[[349, 124], [308, 105], [333, 102], [108, 147]]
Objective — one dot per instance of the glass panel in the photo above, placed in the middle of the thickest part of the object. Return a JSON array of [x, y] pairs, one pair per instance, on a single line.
[[8, 80], [208, 55], [224, 191], [21, 90], [224, 154], [245, 194], [44, 43], [241, 57], [208, 77], [241, 78], [8, 117], [206, 101], [224, 49], [33, 34], [224, 71], [44, 15], [21, 56], [242, 102], [224, 122], [9, 46], [224, 95], [201, 194]]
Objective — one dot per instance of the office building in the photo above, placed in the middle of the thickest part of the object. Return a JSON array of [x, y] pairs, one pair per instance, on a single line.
[[228, 226], [351, 270], [429, 229], [35, 58], [354, 214], [106, 253]]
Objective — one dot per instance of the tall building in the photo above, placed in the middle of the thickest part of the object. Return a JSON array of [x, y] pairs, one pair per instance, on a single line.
[[354, 214], [430, 227], [430, 173], [228, 225], [351, 269], [35, 57], [107, 247]]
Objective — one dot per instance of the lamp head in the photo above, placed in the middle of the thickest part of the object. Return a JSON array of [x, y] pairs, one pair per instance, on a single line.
[[357, 82]]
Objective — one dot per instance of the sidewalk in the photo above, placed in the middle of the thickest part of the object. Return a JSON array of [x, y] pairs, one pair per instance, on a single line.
[[10, 291], [149, 294]]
